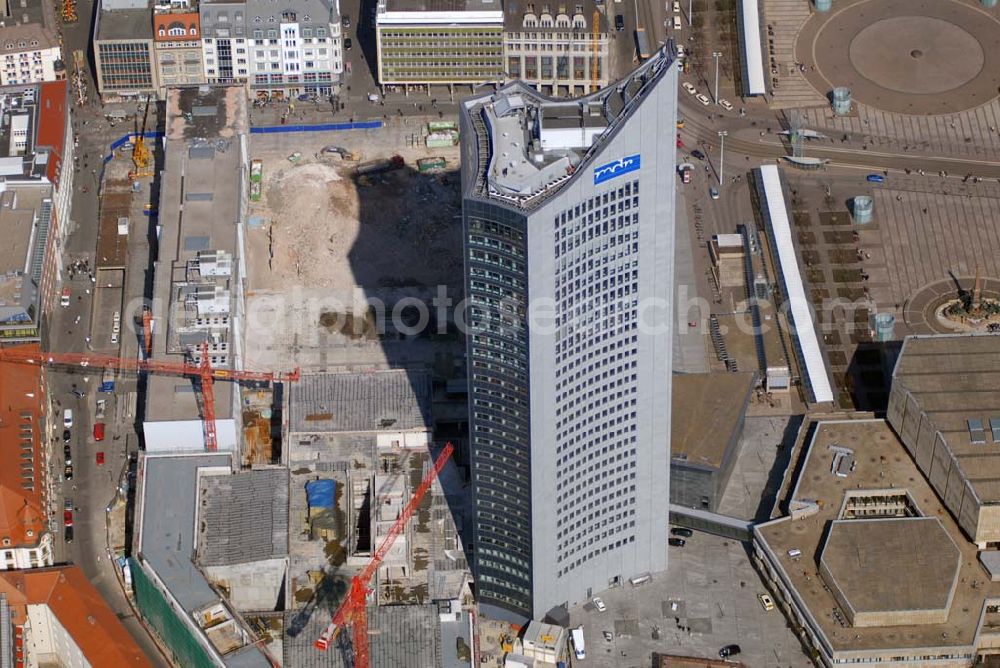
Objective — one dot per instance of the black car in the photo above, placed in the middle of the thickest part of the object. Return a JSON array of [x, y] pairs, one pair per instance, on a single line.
[[346, 21], [619, 22], [67, 453], [348, 44], [67, 437], [681, 531], [676, 542], [697, 154], [729, 650], [68, 534], [68, 472]]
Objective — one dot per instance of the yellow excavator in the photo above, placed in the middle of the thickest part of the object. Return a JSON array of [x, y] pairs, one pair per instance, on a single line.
[[141, 156]]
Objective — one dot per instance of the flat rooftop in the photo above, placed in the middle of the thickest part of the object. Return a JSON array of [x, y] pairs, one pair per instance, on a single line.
[[20, 207], [397, 400], [894, 565], [167, 542], [882, 463], [200, 190], [401, 636], [168, 524], [442, 6], [243, 517], [706, 409], [954, 379], [116, 203], [125, 24], [526, 147]]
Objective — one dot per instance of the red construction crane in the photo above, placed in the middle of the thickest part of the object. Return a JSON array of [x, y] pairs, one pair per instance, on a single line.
[[203, 372], [353, 611]]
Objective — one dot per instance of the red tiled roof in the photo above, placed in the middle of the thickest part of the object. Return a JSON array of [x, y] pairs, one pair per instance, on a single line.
[[187, 21], [52, 123], [20, 507], [66, 591]]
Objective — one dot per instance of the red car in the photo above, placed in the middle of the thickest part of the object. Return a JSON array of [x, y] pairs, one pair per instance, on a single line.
[[100, 457], [98, 431], [68, 518]]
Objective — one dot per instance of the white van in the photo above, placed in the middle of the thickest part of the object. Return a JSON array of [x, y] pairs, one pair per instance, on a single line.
[[677, 22], [68, 418], [579, 648]]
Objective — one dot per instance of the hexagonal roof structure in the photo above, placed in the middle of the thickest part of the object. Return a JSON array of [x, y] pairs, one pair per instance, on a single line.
[[891, 571]]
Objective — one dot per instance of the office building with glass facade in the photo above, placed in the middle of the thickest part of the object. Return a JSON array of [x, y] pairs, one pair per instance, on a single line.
[[568, 208], [124, 53]]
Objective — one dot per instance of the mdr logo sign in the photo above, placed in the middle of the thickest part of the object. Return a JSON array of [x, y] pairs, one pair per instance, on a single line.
[[611, 170]]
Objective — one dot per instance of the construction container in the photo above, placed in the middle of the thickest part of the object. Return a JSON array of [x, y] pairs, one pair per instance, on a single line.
[[823, 5], [442, 139], [842, 101], [862, 207], [989, 3], [442, 126], [434, 164], [256, 176]]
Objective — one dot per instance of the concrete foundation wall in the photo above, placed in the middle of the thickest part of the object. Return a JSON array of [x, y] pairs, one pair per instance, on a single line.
[[255, 585]]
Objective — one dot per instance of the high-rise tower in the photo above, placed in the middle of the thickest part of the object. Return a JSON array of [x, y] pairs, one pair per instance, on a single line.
[[568, 208]]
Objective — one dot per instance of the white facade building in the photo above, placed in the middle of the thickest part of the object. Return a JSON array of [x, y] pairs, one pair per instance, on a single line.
[[29, 53]]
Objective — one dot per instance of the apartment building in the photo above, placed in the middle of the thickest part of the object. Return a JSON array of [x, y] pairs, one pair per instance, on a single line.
[[295, 48], [177, 42], [224, 41], [569, 415], [560, 49], [449, 43], [29, 53]]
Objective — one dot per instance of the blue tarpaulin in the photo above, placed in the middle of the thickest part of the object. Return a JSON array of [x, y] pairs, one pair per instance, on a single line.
[[320, 493]]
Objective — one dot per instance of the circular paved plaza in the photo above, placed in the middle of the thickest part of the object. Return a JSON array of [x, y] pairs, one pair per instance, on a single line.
[[908, 56]]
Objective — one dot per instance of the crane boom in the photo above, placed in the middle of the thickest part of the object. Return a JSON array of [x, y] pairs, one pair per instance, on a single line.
[[17, 356], [203, 374], [353, 611]]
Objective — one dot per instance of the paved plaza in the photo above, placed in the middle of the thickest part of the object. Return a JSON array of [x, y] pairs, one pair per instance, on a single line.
[[908, 56]]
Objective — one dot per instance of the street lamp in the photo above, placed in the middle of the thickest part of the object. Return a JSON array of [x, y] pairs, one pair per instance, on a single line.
[[722, 147], [716, 55], [690, 14]]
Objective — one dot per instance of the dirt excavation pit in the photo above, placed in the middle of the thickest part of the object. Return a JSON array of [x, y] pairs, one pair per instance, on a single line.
[[320, 226]]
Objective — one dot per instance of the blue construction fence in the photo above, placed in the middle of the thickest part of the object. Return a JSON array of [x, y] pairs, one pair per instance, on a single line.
[[271, 129], [323, 127]]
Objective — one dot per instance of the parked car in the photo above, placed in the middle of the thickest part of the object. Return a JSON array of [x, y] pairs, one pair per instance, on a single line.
[[98, 431], [701, 97], [713, 192], [68, 472], [599, 604], [725, 104], [67, 436], [102, 406], [68, 418], [729, 650], [64, 299], [677, 542], [619, 22], [100, 458], [348, 44], [677, 7], [682, 532], [689, 88], [345, 21], [68, 534], [608, 636], [766, 602], [67, 452], [875, 178], [685, 176], [697, 154], [68, 518], [68, 503]]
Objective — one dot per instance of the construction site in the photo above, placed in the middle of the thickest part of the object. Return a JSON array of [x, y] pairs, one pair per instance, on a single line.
[[321, 273]]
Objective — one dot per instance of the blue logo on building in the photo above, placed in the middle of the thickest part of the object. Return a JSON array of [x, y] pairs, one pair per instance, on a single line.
[[611, 170]]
